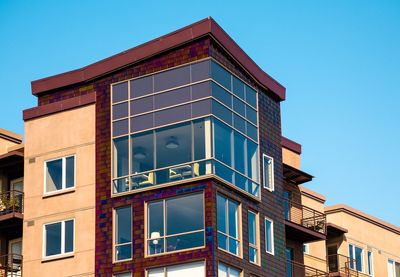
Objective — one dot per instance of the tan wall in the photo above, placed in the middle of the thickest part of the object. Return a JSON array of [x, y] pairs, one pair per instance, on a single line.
[[383, 243], [290, 158], [66, 133], [5, 144]]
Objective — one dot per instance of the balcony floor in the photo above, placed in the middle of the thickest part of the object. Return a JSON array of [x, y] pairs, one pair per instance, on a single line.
[[300, 233]]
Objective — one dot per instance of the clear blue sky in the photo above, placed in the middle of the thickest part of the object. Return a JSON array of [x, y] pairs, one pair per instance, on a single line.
[[339, 60]]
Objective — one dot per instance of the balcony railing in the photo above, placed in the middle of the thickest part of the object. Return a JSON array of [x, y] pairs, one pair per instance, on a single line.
[[295, 269], [344, 265], [11, 265], [305, 216], [11, 202]]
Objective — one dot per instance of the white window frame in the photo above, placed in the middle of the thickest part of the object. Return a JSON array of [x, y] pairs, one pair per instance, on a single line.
[[63, 253], [229, 267], [165, 268], [115, 245], [393, 262], [272, 252], [370, 263], [306, 248], [64, 176], [271, 186], [123, 274], [354, 257], [257, 230]]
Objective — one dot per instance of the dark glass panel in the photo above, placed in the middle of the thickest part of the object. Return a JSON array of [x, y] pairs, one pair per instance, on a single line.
[[53, 239], [186, 241], [172, 115], [251, 114], [201, 90], [142, 122], [142, 105], [221, 213], [200, 108], [239, 106], [238, 88], [239, 123], [123, 217], [142, 152], [252, 131], [120, 127], [240, 181], [120, 92], [222, 241], [252, 160], [69, 236], [70, 172], [200, 71], [120, 110], [155, 219], [121, 154], [221, 94], [223, 172], [240, 152], [172, 97], [222, 112], [199, 142], [221, 75], [172, 78], [252, 228], [251, 96], [142, 86], [155, 246], [123, 252], [222, 142], [233, 219], [54, 175]]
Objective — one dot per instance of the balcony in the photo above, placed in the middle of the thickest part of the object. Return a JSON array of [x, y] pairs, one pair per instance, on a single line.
[[295, 269], [11, 265], [340, 265], [11, 205], [303, 223]]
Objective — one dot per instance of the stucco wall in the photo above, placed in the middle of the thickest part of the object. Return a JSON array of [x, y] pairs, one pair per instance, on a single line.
[[290, 158], [66, 133]]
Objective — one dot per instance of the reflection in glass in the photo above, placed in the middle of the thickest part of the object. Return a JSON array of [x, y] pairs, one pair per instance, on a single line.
[[221, 75], [53, 239], [121, 155], [54, 175], [142, 152], [222, 139]]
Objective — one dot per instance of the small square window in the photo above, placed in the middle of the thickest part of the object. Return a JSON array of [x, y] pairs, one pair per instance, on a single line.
[[60, 174]]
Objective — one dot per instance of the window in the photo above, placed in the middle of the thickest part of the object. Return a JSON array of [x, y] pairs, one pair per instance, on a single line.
[[182, 270], [227, 271], [356, 258], [306, 248], [253, 237], [370, 263], [175, 224], [123, 233], [126, 274], [228, 225], [58, 238], [393, 269], [269, 236], [268, 165], [60, 174]]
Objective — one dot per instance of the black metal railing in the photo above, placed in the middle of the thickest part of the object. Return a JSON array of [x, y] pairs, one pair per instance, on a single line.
[[295, 269], [344, 265], [305, 216], [11, 265], [11, 202]]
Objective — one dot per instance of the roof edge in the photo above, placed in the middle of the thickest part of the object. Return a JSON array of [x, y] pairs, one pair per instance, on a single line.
[[361, 215], [11, 136], [291, 145], [207, 26]]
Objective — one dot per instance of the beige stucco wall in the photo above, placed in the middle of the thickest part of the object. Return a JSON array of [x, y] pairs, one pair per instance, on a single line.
[[290, 158], [66, 133], [5, 144], [383, 243]]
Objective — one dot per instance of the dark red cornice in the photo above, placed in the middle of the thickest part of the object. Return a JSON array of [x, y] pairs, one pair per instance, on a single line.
[[194, 31], [59, 106], [291, 145]]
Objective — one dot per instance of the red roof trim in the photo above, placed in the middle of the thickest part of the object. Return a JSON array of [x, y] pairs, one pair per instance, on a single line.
[[291, 145], [201, 28]]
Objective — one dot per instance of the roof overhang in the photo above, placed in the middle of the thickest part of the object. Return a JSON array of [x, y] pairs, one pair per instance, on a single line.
[[172, 40], [291, 145], [295, 176], [334, 230], [300, 233]]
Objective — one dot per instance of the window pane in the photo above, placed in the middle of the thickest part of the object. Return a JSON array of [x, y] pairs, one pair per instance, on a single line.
[[369, 262], [222, 139], [70, 172], [54, 175], [201, 90], [69, 236], [222, 112], [53, 239], [201, 108], [268, 235], [199, 140], [221, 75], [120, 110], [172, 115], [123, 218], [222, 241], [233, 246], [234, 272], [185, 270], [221, 213], [172, 78], [120, 92], [252, 254], [186, 241], [123, 275], [251, 114], [252, 160], [142, 152], [233, 219], [240, 148], [157, 272], [351, 256], [239, 106], [185, 214], [268, 174], [142, 86], [200, 71], [155, 220], [241, 181], [251, 131], [123, 252], [120, 127], [238, 88], [142, 122], [358, 257], [239, 123], [172, 97], [222, 95], [252, 228], [155, 246], [251, 96], [121, 153], [142, 105], [222, 270], [224, 172], [391, 270], [174, 145]]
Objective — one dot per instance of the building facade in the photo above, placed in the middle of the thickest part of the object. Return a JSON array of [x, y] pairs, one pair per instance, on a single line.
[[167, 160]]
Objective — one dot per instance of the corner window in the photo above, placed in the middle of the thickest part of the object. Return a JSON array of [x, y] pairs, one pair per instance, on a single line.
[[268, 164], [356, 258], [227, 271], [370, 263], [189, 269], [123, 233], [228, 225], [253, 237], [175, 224], [58, 238], [269, 236], [60, 174]]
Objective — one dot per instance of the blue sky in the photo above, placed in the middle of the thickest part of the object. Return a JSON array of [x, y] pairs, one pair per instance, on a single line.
[[339, 60]]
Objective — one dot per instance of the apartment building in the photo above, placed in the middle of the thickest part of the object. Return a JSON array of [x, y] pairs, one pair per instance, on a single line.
[[11, 203], [167, 160]]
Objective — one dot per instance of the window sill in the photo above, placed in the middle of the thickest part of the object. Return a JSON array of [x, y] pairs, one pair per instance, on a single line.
[[57, 257], [57, 193]]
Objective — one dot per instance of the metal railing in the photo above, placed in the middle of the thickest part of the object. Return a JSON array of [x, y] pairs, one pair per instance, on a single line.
[[11, 202], [305, 216], [295, 269], [344, 265], [11, 265]]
